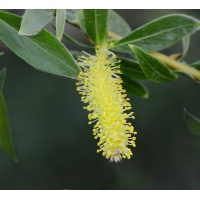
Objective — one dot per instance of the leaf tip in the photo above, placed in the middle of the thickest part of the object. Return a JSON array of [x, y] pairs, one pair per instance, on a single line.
[[132, 47], [192, 122], [146, 96], [184, 112], [13, 156], [3, 71], [1, 53], [16, 160], [20, 32], [59, 38]]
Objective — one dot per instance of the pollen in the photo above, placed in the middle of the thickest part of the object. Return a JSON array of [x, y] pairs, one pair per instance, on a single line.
[[100, 86]]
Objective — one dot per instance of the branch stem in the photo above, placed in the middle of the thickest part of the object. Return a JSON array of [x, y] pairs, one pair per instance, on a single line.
[[173, 64]]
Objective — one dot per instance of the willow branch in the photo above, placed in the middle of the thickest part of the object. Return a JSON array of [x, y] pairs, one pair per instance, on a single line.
[[173, 64]]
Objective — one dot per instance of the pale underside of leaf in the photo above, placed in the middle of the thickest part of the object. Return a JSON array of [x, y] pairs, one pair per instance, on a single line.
[[34, 20]]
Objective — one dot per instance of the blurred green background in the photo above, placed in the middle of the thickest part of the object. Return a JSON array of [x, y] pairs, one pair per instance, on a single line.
[[54, 143]]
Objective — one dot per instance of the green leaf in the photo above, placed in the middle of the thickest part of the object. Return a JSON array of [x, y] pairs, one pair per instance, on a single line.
[[152, 68], [5, 136], [43, 51], [186, 44], [72, 16], [2, 78], [196, 65], [1, 53], [81, 20], [122, 49], [95, 23], [134, 88], [131, 69], [160, 33], [185, 74], [60, 23], [34, 20], [192, 122], [117, 26]]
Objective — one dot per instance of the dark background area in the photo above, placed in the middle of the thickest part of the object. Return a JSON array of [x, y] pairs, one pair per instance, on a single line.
[[54, 143]]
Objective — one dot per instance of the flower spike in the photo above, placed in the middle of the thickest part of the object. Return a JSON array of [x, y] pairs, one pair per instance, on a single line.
[[100, 86]]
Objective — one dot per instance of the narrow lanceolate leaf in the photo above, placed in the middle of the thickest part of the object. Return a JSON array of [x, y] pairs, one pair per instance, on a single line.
[[160, 33], [117, 26], [81, 20], [34, 20], [95, 24], [2, 78], [43, 51], [152, 68], [5, 136], [131, 69], [185, 44], [60, 23], [192, 122], [134, 88]]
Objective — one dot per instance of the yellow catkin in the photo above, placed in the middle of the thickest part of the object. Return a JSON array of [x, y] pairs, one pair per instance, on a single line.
[[101, 89]]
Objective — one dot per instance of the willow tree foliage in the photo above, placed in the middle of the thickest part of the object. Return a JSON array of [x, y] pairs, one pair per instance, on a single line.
[[111, 67]]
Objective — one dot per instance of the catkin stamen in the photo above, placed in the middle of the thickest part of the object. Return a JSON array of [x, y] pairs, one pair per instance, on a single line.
[[100, 87]]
